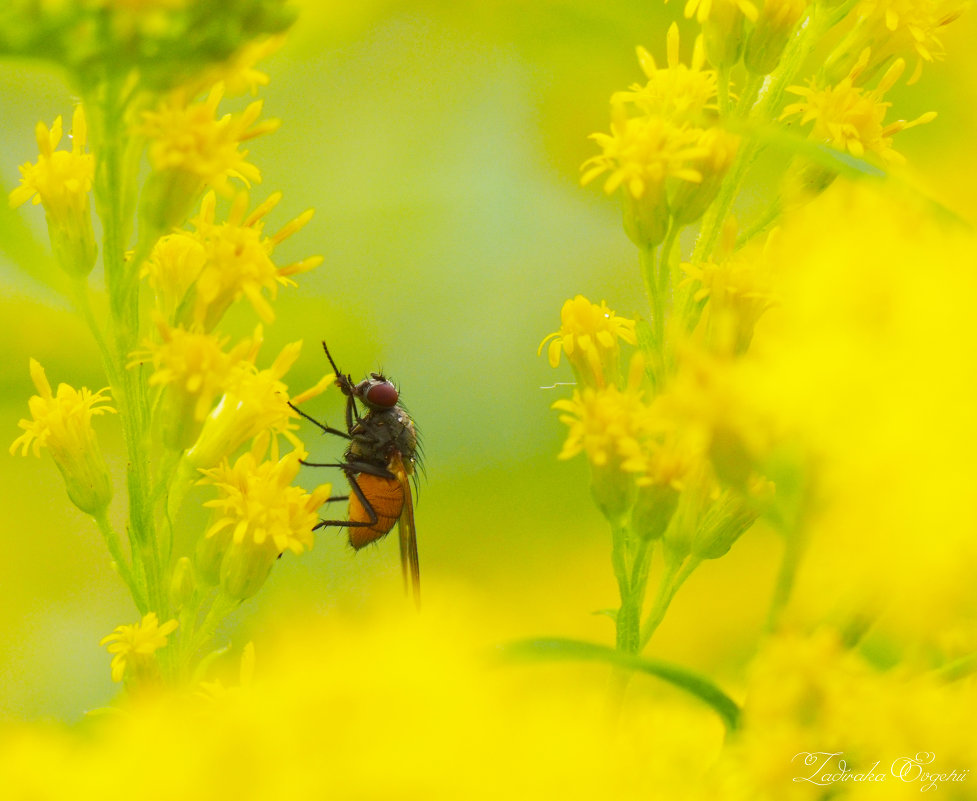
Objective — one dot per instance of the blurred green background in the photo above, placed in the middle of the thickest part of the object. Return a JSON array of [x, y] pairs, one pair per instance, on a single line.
[[439, 144]]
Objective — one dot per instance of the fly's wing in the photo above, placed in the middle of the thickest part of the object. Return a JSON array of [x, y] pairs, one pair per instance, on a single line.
[[408, 534]]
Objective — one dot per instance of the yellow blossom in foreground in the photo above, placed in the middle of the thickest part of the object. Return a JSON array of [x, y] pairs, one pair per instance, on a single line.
[[61, 180], [237, 258], [590, 336], [850, 117], [62, 423], [133, 646]]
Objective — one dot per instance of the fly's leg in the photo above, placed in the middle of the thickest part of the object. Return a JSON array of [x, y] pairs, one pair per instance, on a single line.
[[367, 506], [325, 429], [345, 383]]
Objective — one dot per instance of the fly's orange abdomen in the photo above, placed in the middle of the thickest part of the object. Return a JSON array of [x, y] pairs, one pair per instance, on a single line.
[[386, 496]]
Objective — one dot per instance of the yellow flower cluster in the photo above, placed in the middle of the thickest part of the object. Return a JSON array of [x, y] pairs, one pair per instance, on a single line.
[[665, 149]]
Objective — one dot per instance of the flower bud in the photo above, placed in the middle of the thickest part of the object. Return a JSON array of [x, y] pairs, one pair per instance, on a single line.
[[770, 34], [245, 569], [653, 510], [182, 584]]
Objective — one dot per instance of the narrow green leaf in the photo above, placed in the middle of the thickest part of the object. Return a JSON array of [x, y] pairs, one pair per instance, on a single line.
[[574, 650]]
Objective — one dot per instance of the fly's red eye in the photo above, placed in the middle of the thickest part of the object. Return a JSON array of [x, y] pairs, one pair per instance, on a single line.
[[383, 395]]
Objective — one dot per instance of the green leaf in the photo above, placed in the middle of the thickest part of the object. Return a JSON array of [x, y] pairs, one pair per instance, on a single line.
[[555, 649]]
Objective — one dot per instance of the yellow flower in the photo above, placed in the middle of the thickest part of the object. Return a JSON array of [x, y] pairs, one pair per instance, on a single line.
[[63, 424], [611, 425], [195, 370], [238, 73], [739, 290], [62, 181], [237, 258], [704, 10], [849, 117], [589, 335], [259, 515], [191, 138], [680, 93], [190, 148], [663, 150], [640, 153], [255, 401], [172, 269], [133, 647], [904, 27]]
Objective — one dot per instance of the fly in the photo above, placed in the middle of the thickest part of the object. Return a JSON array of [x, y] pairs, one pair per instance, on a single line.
[[379, 463]]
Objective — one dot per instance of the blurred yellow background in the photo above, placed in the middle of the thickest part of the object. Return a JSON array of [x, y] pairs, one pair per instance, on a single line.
[[439, 144]]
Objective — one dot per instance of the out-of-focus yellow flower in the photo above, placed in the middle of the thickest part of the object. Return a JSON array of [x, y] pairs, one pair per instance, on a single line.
[[850, 117], [805, 688], [238, 74], [63, 424], [874, 367], [133, 647], [907, 27], [422, 685], [590, 336], [738, 290], [259, 515], [192, 139], [237, 258], [704, 10], [61, 180], [190, 148]]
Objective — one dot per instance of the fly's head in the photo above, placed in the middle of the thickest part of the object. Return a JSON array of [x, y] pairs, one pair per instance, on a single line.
[[376, 392]]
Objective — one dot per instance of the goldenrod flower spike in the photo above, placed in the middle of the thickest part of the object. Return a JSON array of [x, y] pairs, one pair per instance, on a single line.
[[589, 335], [62, 423], [61, 180], [133, 648]]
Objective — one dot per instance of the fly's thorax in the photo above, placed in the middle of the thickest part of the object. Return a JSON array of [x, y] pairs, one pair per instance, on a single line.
[[379, 434]]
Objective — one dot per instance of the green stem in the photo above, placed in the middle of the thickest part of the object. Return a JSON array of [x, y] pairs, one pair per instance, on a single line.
[[222, 606], [764, 109], [113, 180], [676, 572], [135, 583], [82, 301]]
